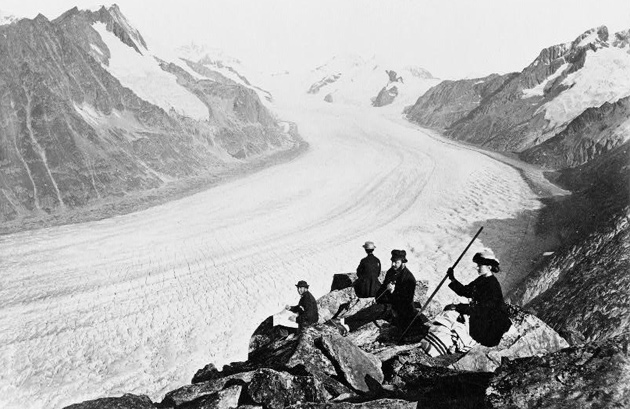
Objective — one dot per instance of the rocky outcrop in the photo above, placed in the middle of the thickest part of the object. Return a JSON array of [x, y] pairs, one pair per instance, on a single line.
[[528, 336], [72, 135], [580, 290], [595, 375], [330, 79], [319, 368], [127, 401], [450, 101], [386, 96], [277, 390], [389, 92], [593, 133], [550, 111], [376, 404], [360, 370]]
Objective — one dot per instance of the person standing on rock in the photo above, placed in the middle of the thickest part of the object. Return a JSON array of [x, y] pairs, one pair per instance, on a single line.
[[398, 289], [489, 318], [306, 309], [369, 269]]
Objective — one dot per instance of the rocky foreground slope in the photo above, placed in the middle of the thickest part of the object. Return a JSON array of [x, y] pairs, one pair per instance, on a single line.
[[88, 113], [531, 367]]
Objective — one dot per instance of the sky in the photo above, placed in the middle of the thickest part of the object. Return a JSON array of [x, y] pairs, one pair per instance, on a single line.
[[452, 39]]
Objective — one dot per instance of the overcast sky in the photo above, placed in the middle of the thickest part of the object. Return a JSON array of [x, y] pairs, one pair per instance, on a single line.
[[452, 39]]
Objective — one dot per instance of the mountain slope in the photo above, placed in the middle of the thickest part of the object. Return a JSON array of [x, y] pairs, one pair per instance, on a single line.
[[581, 291], [545, 100], [356, 81], [87, 113]]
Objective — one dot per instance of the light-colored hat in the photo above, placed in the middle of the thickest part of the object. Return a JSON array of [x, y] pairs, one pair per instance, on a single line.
[[369, 245]]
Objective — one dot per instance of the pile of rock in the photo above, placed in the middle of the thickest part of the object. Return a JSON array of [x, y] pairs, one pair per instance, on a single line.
[[369, 368]]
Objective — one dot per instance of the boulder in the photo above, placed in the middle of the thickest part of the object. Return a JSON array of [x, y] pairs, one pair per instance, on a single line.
[[206, 373], [343, 280], [361, 370], [275, 389], [127, 401], [308, 355], [594, 375], [193, 392], [528, 336], [345, 303], [223, 399], [376, 404]]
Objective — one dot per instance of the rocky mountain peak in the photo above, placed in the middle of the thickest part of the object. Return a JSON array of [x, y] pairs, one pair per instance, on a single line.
[[621, 39], [117, 23], [6, 18], [594, 36]]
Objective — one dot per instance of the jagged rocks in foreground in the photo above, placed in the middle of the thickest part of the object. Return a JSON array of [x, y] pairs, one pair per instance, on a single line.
[[528, 336], [370, 368], [595, 375], [127, 401]]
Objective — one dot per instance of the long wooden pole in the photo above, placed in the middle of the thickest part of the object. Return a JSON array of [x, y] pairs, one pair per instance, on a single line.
[[440, 285]]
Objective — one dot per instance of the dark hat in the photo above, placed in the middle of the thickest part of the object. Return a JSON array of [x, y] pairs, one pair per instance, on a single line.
[[399, 255], [486, 257], [302, 283]]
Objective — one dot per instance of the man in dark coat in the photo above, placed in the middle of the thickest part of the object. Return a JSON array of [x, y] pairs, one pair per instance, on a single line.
[[398, 289], [369, 269], [489, 318], [307, 307]]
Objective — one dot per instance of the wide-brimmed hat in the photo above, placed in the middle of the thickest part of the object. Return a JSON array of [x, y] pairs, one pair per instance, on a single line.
[[399, 255], [486, 257], [369, 245], [302, 283]]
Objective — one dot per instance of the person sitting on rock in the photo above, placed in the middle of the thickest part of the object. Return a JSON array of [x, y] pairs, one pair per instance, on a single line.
[[369, 269], [307, 307], [488, 313], [398, 289]]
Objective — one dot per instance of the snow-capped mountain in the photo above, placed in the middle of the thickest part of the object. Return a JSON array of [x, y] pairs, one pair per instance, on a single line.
[[89, 111], [218, 65], [351, 79], [540, 107], [7, 18]]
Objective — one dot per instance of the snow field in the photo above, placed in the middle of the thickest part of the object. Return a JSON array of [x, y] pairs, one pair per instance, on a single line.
[[143, 75], [138, 303], [605, 77]]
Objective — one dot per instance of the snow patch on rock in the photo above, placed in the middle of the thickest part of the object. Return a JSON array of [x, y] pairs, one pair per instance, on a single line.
[[143, 75], [539, 90], [605, 77]]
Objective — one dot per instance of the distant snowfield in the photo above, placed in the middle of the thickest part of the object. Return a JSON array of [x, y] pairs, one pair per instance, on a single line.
[[138, 303]]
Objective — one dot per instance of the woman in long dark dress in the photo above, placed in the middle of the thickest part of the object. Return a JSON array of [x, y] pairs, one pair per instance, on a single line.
[[369, 269], [488, 313]]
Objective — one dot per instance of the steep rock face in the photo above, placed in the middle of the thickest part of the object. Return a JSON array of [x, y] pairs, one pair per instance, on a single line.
[[71, 134], [550, 97], [596, 375], [594, 132], [450, 101], [581, 291]]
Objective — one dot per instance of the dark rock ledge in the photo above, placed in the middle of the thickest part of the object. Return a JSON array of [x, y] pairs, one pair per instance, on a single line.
[[532, 367]]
